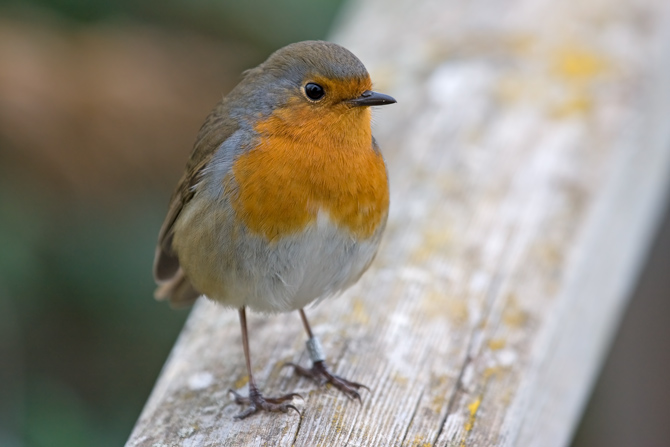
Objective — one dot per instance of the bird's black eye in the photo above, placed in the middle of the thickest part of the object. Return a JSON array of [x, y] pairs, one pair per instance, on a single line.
[[314, 91]]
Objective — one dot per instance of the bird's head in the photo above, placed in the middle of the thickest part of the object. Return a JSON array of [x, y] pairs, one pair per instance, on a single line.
[[314, 86]]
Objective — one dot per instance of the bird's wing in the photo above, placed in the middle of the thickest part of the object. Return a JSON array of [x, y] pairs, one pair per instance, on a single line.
[[173, 283]]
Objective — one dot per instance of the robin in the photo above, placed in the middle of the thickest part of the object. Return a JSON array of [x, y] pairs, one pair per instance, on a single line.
[[283, 201]]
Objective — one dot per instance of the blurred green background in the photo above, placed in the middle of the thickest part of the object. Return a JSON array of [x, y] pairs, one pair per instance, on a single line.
[[100, 102]]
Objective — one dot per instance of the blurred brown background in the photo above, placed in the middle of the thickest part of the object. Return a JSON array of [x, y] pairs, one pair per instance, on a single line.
[[100, 102]]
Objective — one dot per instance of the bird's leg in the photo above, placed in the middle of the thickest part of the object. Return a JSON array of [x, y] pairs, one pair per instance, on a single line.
[[256, 401], [319, 371]]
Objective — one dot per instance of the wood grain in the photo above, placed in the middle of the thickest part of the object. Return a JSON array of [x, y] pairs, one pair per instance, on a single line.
[[529, 157]]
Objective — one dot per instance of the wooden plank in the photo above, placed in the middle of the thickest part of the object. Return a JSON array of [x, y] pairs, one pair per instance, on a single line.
[[529, 157]]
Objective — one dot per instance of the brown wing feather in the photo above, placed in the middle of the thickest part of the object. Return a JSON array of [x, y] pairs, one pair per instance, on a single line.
[[172, 281]]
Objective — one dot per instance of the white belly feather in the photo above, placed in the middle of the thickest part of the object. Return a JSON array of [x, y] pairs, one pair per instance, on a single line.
[[316, 264]]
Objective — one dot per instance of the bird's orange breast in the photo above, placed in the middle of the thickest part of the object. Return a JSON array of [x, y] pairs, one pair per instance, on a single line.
[[306, 163]]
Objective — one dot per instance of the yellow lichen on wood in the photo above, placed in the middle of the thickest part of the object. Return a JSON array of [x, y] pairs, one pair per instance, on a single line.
[[576, 62], [419, 442], [578, 66], [496, 344], [577, 104], [473, 407], [513, 315], [491, 371], [242, 381]]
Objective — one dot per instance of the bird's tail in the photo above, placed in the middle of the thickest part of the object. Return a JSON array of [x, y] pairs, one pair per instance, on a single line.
[[178, 290]]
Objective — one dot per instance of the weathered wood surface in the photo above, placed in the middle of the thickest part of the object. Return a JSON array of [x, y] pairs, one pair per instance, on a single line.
[[529, 156]]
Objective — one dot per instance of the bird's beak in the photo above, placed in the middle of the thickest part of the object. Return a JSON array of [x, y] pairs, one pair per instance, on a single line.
[[369, 98]]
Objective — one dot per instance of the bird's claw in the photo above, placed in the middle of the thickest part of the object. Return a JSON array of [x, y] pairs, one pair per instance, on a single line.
[[319, 373], [257, 403]]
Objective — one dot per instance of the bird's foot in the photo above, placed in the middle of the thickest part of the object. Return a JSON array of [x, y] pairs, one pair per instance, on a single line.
[[320, 374], [257, 402]]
